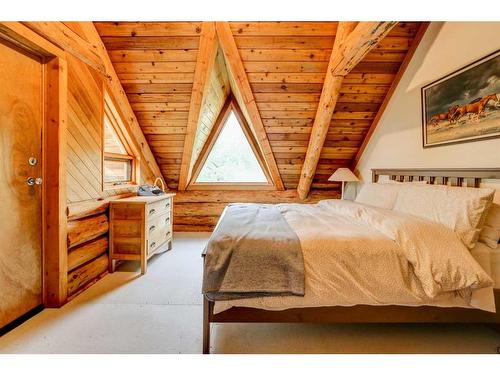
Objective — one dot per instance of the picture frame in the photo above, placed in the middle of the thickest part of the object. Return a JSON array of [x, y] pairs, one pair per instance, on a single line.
[[464, 105]]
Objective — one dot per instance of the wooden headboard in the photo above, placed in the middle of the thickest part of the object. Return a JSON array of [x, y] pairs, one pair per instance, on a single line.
[[455, 177]]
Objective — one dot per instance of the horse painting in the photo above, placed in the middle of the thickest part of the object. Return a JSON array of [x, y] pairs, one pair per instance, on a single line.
[[464, 105], [475, 107], [449, 115]]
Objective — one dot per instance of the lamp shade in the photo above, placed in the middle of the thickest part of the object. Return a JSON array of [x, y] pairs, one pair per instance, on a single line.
[[343, 174]]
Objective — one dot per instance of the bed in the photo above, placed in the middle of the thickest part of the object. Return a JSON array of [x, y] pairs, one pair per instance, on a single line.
[[330, 304]]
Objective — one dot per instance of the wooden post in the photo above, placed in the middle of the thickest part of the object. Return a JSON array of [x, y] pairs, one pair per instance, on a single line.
[[324, 113], [206, 325], [55, 255], [351, 44]]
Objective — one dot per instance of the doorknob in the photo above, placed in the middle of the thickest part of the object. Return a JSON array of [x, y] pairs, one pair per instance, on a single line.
[[34, 181]]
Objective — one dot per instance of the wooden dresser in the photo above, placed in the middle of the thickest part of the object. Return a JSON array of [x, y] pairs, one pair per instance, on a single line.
[[139, 227]]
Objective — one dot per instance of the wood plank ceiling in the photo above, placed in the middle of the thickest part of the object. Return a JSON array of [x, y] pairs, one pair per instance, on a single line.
[[285, 63]]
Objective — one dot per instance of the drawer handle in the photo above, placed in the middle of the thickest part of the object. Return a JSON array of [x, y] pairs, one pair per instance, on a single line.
[[152, 245], [167, 234], [167, 220], [152, 228], [167, 205], [152, 211]]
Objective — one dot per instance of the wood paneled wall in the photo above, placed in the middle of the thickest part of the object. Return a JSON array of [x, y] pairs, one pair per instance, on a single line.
[[87, 206], [199, 211], [85, 111], [85, 117]]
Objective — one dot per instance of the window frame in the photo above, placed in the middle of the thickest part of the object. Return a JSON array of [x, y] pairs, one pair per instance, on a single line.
[[229, 105], [110, 111]]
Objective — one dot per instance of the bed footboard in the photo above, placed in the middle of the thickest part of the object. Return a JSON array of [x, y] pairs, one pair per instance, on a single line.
[[352, 314]]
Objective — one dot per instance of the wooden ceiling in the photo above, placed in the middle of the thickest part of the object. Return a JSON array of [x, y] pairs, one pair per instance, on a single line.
[[285, 64]]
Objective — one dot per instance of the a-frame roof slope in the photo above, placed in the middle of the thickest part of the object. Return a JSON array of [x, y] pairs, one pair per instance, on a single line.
[[155, 62], [285, 64]]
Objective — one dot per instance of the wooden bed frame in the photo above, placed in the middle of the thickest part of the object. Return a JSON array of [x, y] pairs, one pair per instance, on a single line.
[[366, 313]]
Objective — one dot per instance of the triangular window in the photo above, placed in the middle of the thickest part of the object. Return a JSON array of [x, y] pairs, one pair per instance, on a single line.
[[120, 166], [230, 157]]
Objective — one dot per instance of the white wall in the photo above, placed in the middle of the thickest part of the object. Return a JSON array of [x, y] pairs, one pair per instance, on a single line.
[[397, 141]]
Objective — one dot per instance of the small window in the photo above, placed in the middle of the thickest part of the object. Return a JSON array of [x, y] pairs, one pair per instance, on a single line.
[[117, 170], [119, 162]]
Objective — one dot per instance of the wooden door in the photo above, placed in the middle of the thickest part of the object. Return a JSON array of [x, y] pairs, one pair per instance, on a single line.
[[21, 114]]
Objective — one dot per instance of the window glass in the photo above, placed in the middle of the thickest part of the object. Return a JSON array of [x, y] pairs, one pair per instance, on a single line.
[[117, 170], [112, 143], [231, 158]]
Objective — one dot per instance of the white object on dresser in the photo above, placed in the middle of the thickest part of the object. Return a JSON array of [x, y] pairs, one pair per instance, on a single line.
[[139, 227]]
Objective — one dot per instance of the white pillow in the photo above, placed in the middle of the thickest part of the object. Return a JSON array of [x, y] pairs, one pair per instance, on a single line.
[[491, 230], [378, 195], [459, 208]]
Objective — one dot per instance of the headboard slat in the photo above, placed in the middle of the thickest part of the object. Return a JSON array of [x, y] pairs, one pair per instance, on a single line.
[[471, 182]]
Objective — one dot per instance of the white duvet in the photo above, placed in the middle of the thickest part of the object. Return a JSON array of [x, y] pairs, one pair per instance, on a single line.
[[357, 254]]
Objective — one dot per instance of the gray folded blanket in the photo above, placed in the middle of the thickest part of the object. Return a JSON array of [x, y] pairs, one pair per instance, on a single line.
[[253, 252]]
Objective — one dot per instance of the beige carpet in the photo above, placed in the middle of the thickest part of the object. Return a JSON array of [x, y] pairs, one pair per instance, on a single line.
[[161, 312]]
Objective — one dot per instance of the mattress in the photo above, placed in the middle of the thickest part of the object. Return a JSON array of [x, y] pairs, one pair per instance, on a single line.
[[328, 285]]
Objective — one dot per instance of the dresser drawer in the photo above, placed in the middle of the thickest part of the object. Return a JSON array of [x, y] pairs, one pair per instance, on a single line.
[[158, 208], [157, 224], [158, 231], [158, 239]]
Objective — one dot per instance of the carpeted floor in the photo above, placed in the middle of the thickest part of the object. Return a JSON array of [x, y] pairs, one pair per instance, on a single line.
[[161, 312]]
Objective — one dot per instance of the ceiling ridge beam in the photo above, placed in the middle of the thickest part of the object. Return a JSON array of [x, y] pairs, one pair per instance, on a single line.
[[236, 69], [352, 42], [204, 64], [399, 75]]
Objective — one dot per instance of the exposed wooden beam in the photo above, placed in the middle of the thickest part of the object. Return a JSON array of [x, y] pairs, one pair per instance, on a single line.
[[65, 38], [352, 42], [355, 46], [245, 98], [402, 69], [130, 121], [324, 113], [21, 35], [204, 65]]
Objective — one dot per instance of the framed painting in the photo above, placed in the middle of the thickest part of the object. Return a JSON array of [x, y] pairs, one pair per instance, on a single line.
[[463, 106]]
